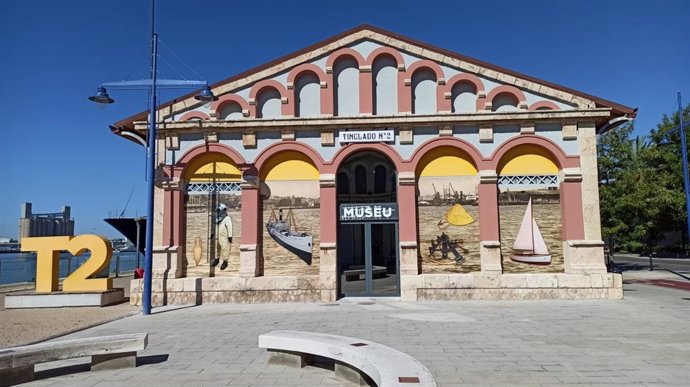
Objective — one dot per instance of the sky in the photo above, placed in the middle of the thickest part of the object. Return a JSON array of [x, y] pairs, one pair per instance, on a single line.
[[56, 148]]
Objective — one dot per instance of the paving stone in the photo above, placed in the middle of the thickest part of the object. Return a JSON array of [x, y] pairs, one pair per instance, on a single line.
[[639, 340]]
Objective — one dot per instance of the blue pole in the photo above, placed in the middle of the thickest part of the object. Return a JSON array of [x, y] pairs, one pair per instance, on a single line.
[[150, 163], [684, 152]]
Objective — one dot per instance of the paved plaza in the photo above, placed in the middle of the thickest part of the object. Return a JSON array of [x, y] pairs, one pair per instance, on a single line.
[[641, 340]]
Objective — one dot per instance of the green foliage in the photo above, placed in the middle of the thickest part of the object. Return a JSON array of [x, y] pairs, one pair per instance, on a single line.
[[641, 192]]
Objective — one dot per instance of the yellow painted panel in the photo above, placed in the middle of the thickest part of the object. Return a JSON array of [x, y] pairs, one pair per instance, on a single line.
[[213, 167], [446, 161], [527, 160], [289, 165]]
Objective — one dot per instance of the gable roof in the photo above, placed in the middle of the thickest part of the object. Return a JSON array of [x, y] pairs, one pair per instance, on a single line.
[[617, 110]]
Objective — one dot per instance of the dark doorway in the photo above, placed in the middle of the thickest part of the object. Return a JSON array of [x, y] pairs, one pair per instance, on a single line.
[[368, 248]]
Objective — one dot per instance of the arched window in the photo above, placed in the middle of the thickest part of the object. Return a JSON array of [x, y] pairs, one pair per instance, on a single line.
[[424, 92], [343, 183], [346, 90], [504, 102], [231, 111], [268, 103], [385, 88], [380, 179], [308, 92], [464, 98], [360, 180]]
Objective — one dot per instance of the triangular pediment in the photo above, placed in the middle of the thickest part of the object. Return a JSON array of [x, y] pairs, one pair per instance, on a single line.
[[363, 44]]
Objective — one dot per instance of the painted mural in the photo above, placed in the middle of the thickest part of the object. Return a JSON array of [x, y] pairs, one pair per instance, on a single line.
[[448, 215], [530, 212], [291, 215], [213, 218]]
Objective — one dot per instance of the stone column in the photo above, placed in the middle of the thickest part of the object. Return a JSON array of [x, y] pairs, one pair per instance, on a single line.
[[586, 255], [251, 260], [328, 265], [168, 256], [410, 264], [489, 233], [366, 93], [407, 208]]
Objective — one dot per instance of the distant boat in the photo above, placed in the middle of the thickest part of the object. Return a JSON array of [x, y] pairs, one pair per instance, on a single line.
[[283, 231], [529, 246], [128, 228]]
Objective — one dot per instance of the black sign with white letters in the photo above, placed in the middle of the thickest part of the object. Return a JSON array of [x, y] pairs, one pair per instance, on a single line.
[[368, 212]]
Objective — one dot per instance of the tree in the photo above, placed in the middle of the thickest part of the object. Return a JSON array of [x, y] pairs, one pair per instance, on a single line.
[[641, 193]]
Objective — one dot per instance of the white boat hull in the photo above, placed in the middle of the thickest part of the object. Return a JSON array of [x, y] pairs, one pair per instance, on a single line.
[[538, 259]]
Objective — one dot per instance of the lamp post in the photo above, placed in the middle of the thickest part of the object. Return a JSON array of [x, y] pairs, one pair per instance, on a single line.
[[102, 98], [684, 158], [684, 153]]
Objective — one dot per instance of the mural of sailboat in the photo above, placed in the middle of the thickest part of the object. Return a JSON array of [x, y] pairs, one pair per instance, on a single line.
[[529, 246]]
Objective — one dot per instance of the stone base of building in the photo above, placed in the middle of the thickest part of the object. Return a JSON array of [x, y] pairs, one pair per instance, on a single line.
[[423, 287]]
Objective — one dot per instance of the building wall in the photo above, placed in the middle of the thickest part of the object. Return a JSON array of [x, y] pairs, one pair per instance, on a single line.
[[512, 144]]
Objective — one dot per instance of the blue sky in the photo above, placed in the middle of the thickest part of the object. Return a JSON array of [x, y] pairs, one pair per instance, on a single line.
[[57, 150]]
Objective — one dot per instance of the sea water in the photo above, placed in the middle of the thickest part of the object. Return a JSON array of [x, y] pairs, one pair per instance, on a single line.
[[21, 267]]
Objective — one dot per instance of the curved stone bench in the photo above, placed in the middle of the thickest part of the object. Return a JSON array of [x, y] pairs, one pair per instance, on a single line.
[[107, 352], [385, 366]]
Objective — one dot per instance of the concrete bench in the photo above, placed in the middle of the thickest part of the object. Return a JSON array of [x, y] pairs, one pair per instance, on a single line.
[[354, 274], [107, 352], [353, 357]]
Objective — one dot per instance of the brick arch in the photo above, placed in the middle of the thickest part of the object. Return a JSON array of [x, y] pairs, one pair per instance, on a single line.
[[274, 149], [559, 157], [365, 100], [543, 104], [395, 54], [344, 52], [512, 90], [351, 149], [425, 63], [217, 106], [386, 51], [189, 115], [572, 219], [447, 90], [308, 67], [405, 93], [326, 97], [181, 167], [286, 108], [464, 146]]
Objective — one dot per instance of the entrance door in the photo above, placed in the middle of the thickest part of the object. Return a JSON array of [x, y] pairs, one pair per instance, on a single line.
[[368, 251]]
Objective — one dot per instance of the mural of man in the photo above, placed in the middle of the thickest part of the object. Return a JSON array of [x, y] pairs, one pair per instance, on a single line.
[[224, 235]]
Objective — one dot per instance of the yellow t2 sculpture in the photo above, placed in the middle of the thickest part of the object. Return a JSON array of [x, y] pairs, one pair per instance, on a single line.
[[48, 262]]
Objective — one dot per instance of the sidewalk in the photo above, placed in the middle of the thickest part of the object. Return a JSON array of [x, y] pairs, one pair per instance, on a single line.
[[24, 326], [640, 340]]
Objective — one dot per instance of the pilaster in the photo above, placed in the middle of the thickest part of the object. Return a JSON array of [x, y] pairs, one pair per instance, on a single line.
[[251, 260], [407, 208], [489, 233]]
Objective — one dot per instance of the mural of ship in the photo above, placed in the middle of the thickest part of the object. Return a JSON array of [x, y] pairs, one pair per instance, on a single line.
[[529, 246], [284, 232]]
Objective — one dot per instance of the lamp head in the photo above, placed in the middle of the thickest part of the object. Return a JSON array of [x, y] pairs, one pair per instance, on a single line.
[[665, 141], [206, 95], [102, 99]]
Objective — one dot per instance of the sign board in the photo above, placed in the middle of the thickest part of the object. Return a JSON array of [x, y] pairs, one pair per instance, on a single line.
[[367, 136], [369, 212]]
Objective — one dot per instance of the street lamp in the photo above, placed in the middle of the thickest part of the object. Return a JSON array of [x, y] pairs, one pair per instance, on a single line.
[[103, 99]]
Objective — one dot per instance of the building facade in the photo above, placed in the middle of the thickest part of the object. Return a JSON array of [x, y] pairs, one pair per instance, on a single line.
[[49, 224], [373, 165]]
